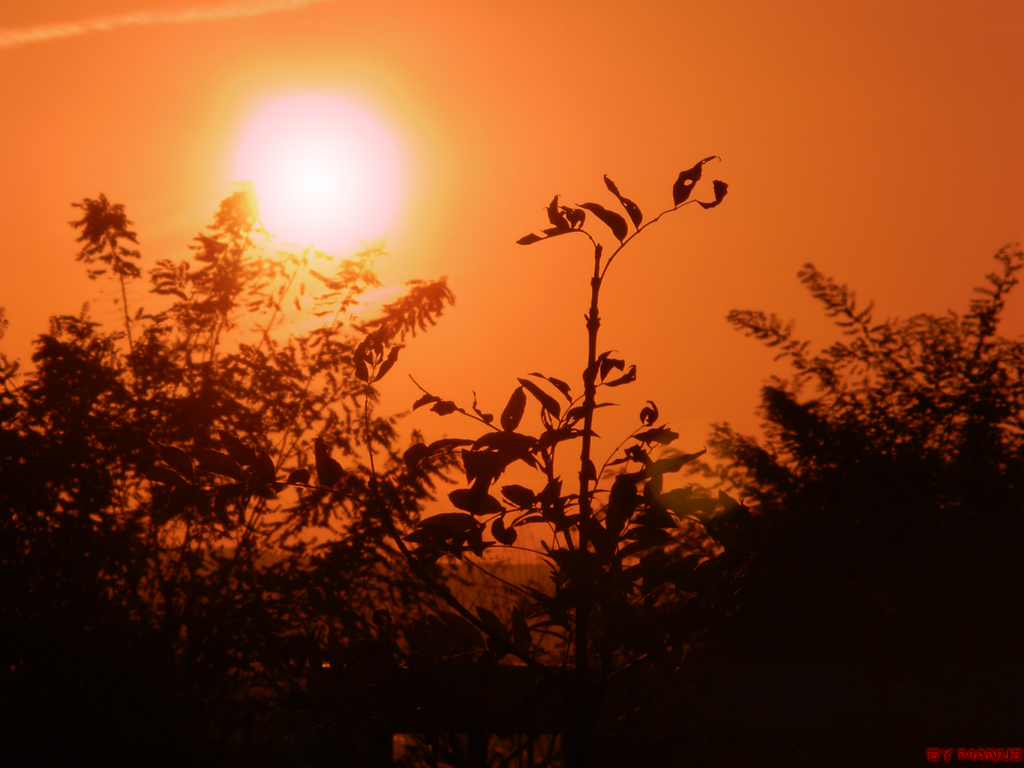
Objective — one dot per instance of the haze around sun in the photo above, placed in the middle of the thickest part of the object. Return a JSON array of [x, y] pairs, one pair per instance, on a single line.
[[326, 172]]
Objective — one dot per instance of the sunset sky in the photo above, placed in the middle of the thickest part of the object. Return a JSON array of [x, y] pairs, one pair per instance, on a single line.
[[884, 141]]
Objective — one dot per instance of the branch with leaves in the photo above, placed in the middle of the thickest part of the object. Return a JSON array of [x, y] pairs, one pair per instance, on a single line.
[[633, 566], [104, 226]]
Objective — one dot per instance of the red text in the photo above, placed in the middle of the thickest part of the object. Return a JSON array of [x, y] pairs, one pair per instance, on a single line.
[[1015, 755]]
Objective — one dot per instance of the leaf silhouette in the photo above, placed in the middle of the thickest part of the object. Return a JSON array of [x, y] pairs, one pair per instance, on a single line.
[[178, 460], [509, 446], [626, 378], [387, 364], [415, 454], [487, 418], [631, 208], [558, 384], [687, 179], [265, 469], [298, 477], [615, 223], [485, 466], [662, 435], [475, 501], [721, 188], [578, 412], [444, 407], [425, 400], [447, 523], [649, 414], [606, 364], [238, 450], [548, 403], [675, 463], [529, 239], [622, 502], [501, 534], [557, 217], [445, 532], [446, 443], [519, 495], [327, 469], [513, 412], [577, 216], [556, 435], [218, 463], [362, 357], [555, 231], [683, 502]]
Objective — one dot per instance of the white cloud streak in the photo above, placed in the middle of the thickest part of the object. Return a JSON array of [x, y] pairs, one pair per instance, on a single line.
[[10, 38]]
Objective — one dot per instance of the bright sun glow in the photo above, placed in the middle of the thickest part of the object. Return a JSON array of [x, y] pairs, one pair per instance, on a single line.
[[326, 173]]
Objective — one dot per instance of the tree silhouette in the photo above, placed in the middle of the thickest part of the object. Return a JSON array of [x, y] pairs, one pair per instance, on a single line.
[[634, 567], [879, 508], [888, 487], [161, 594], [103, 227]]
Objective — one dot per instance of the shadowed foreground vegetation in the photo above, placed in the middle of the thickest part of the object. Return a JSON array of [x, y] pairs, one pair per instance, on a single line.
[[889, 488], [148, 623], [190, 574]]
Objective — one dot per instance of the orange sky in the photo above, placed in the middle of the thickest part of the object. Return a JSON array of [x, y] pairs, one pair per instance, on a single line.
[[884, 141]]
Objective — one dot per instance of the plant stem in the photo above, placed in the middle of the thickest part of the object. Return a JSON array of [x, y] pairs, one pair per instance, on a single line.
[[124, 297], [582, 706]]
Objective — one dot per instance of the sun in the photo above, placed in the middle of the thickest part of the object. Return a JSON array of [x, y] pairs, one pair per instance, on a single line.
[[326, 172]]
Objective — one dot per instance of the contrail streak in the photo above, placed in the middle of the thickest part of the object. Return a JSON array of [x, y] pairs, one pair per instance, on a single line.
[[9, 38]]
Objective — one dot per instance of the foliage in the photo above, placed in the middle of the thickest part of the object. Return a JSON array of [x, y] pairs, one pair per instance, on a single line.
[[103, 227], [889, 485], [162, 586], [166, 585], [634, 566]]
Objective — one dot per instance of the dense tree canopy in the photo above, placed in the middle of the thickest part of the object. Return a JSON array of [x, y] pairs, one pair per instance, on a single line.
[[175, 560], [200, 506], [139, 609], [888, 487]]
